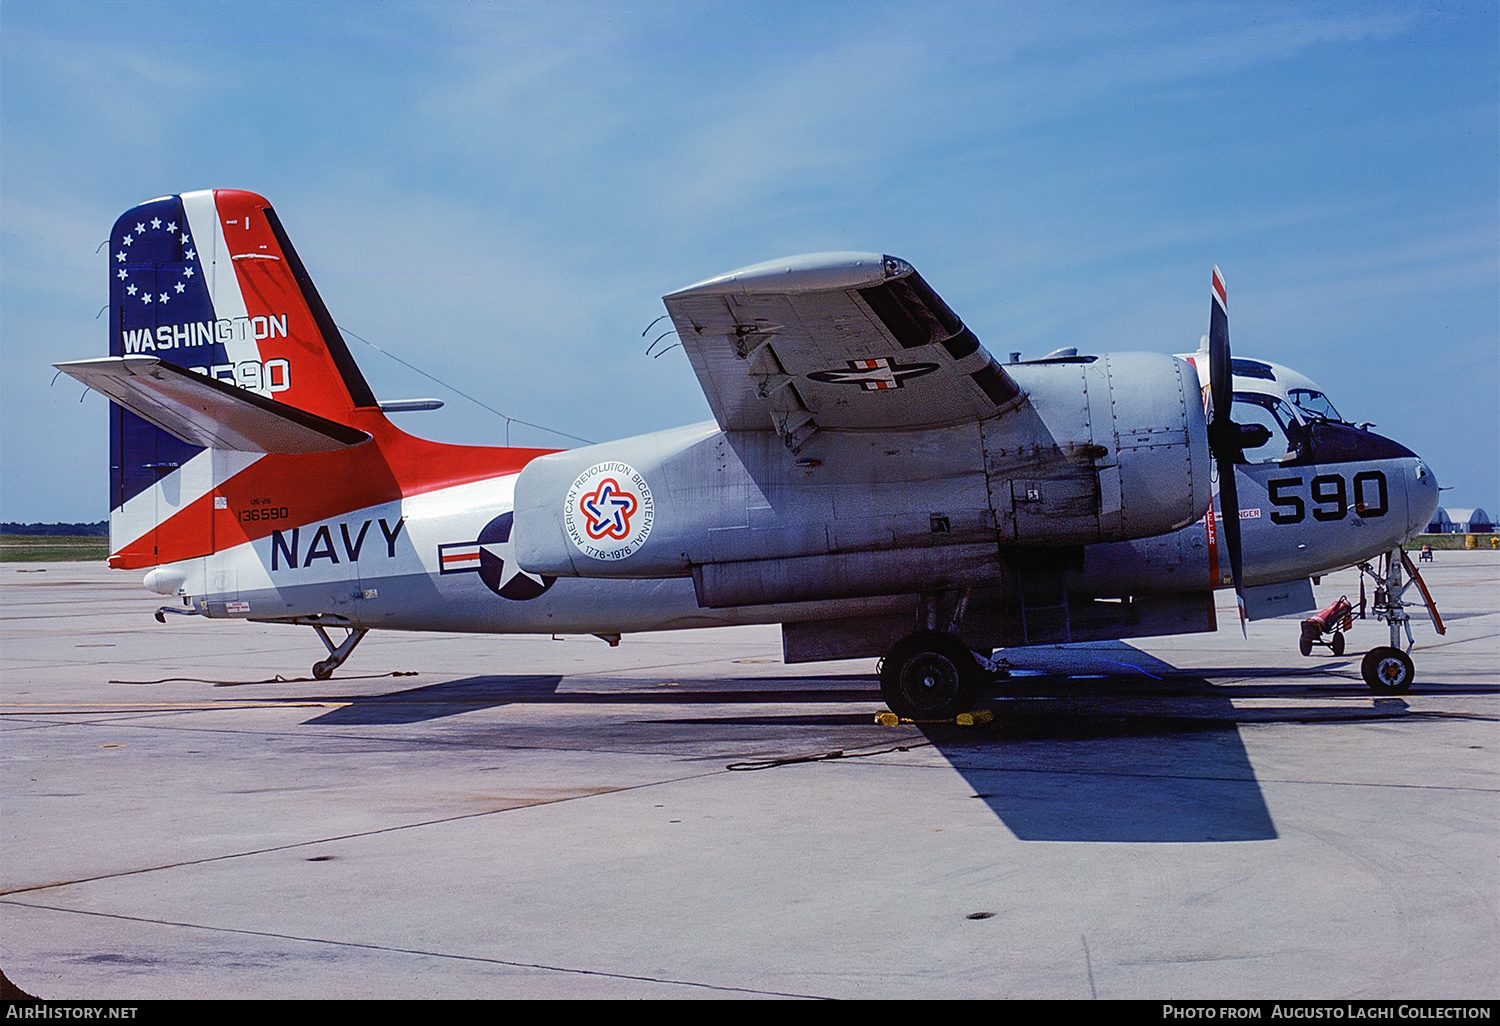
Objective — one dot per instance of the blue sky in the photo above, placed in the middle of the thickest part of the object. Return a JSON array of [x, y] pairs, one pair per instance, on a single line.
[[500, 193]]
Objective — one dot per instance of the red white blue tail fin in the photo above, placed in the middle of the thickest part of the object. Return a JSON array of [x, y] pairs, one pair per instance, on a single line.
[[237, 408], [209, 281]]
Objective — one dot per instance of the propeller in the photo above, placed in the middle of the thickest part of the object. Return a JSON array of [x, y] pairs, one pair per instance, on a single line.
[[1223, 434]]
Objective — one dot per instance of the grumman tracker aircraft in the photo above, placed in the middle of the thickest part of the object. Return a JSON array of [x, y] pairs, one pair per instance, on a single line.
[[874, 480]]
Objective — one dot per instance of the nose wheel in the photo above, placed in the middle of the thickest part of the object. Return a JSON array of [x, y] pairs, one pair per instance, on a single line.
[[1387, 671]]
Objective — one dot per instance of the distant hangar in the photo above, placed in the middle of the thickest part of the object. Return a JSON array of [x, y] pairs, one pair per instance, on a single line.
[[1460, 521]]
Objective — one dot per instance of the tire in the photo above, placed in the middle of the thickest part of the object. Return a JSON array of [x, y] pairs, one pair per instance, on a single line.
[[1304, 645], [931, 675], [1338, 643], [323, 669], [1387, 671]]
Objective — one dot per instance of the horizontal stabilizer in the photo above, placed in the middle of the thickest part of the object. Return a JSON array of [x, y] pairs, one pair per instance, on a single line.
[[213, 414]]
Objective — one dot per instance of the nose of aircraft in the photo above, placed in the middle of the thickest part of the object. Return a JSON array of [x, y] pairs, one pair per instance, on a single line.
[[1421, 496], [1333, 442], [1421, 483]]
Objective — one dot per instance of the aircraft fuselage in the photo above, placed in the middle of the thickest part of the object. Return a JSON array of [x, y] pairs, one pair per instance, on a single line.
[[446, 560]]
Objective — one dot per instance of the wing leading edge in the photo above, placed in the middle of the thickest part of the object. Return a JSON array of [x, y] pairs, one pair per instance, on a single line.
[[834, 341]]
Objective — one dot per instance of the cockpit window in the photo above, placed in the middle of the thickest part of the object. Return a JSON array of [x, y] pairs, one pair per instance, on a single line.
[[1314, 405], [1269, 431]]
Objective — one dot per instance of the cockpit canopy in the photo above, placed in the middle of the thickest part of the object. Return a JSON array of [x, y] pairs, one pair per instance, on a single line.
[[1285, 418], [1269, 431], [1314, 405], [1261, 377]]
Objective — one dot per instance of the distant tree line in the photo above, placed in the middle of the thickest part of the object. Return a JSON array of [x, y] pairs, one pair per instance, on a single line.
[[100, 530]]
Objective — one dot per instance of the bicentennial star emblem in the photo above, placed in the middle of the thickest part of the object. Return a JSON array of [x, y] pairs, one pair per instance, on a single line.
[[608, 510]]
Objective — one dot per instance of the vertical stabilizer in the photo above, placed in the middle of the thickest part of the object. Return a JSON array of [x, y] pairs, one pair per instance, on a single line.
[[209, 281]]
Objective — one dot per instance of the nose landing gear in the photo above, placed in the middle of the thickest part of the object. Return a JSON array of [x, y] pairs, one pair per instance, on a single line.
[[1387, 669]]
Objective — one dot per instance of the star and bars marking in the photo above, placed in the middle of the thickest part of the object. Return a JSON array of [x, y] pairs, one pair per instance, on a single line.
[[881, 374], [493, 557]]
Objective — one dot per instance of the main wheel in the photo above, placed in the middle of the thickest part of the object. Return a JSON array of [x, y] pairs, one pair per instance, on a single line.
[[929, 676], [323, 669], [1338, 643], [1388, 671]]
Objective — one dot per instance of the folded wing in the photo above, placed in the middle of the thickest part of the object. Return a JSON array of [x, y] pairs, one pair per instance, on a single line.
[[834, 341]]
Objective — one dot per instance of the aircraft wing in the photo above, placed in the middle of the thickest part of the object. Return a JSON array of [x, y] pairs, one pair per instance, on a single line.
[[834, 341], [213, 414]]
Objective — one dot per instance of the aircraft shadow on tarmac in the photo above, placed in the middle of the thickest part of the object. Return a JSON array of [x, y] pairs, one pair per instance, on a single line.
[[434, 701], [1087, 768], [1084, 746], [1108, 743], [450, 698]]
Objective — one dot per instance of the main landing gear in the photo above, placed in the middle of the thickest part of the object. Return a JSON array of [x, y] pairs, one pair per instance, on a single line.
[[932, 674]]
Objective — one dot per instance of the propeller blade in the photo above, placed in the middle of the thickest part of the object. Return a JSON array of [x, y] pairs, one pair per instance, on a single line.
[[1220, 366], [1229, 502], [1223, 436]]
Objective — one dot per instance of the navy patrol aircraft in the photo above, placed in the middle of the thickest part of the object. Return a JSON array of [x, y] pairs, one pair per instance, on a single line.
[[874, 480]]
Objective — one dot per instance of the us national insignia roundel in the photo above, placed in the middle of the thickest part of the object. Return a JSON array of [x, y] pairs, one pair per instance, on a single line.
[[878, 375], [609, 511], [497, 563], [493, 557]]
